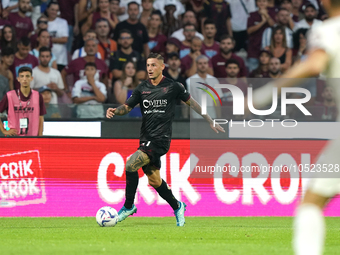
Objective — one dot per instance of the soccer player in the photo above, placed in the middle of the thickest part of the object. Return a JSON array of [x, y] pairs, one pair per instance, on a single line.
[[323, 56], [157, 97]]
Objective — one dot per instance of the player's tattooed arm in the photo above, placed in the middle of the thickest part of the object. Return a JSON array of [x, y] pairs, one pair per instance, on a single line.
[[121, 110], [136, 161]]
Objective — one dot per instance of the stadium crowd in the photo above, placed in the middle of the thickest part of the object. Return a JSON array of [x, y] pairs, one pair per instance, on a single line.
[[92, 52]]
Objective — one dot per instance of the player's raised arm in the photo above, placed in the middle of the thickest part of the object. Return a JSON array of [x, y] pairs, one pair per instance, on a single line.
[[197, 108], [120, 110]]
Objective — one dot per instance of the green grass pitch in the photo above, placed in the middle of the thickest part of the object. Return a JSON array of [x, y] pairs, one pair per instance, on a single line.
[[137, 235]]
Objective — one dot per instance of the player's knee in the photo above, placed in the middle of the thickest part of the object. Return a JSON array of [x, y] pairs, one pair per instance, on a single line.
[[155, 183]]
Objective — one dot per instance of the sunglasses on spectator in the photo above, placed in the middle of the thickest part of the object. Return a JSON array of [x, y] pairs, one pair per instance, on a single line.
[[42, 22], [127, 38]]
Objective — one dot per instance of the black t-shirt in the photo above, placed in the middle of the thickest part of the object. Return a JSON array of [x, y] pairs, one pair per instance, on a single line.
[[139, 33], [118, 59], [157, 105]]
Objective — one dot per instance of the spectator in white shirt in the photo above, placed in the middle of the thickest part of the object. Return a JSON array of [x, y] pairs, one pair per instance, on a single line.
[[80, 53], [188, 17], [310, 20]]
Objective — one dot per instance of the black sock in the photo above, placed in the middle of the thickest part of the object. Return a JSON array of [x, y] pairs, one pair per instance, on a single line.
[[132, 179], [167, 195]]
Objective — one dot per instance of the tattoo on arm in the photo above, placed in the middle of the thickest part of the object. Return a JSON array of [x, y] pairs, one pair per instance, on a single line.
[[197, 108], [136, 161], [122, 110]]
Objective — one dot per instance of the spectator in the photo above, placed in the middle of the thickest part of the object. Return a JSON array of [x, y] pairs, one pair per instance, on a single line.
[[227, 45], [22, 24], [22, 58], [68, 12], [126, 53], [146, 13], [219, 11], [274, 68], [42, 24], [282, 18], [104, 12], [124, 87], [232, 68], [7, 59], [89, 94], [189, 33], [160, 5], [106, 46], [172, 45], [321, 13], [209, 46], [172, 72], [3, 22], [28, 117], [328, 105], [76, 67], [310, 21], [80, 53], [171, 24], [278, 48], [58, 29], [195, 6], [43, 40], [137, 29], [114, 7], [300, 44], [188, 63], [8, 38], [188, 17], [297, 15], [157, 40], [287, 5], [52, 110], [4, 86], [258, 21], [85, 9], [46, 76], [202, 76], [36, 11], [262, 70]]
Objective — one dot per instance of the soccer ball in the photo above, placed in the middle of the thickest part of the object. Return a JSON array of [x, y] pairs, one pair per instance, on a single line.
[[107, 217]]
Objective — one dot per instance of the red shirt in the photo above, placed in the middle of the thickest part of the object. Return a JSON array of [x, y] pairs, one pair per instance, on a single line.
[[29, 61], [186, 64], [67, 10], [227, 96], [210, 51], [76, 68], [218, 63], [23, 26], [157, 44]]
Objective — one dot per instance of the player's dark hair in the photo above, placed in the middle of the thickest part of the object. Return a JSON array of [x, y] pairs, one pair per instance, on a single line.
[[90, 64], [232, 61], [224, 37], [44, 49], [127, 31], [25, 69], [25, 41], [8, 51], [209, 22], [41, 31], [156, 55]]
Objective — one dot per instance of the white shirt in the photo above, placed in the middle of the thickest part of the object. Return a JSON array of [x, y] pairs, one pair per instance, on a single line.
[[80, 53], [41, 78], [240, 17], [159, 5], [83, 89], [303, 24], [267, 36], [59, 28], [180, 36], [193, 85]]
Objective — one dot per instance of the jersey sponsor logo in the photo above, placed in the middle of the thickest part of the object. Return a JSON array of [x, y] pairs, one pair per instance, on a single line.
[[165, 90], [155, 103], [21, 109], [122, 59], [146, 92], [220, 63]]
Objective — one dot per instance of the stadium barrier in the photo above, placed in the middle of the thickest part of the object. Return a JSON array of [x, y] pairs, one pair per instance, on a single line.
[[75, 177]]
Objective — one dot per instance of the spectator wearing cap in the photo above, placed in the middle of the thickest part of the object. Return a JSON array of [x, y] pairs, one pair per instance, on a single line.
[[240, 11], [219, 11], [188, 17], [58, 29], [322, 15], [209, 46], [160, 5], [104, 12], [188, 63], [258, 21], [22, 58], [310, 21], [172, 72], [7, 58], [157, 39], [124, 54], [171, 24], [80, 53], [283, 20], [227, 45], [146, 12], [52, 110], [44, 75], [189, 33], [23, 25], [172, 45], [136, 28], [106, 46]]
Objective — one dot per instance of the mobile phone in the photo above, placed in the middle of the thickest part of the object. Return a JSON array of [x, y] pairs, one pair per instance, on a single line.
[[6, 125]]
